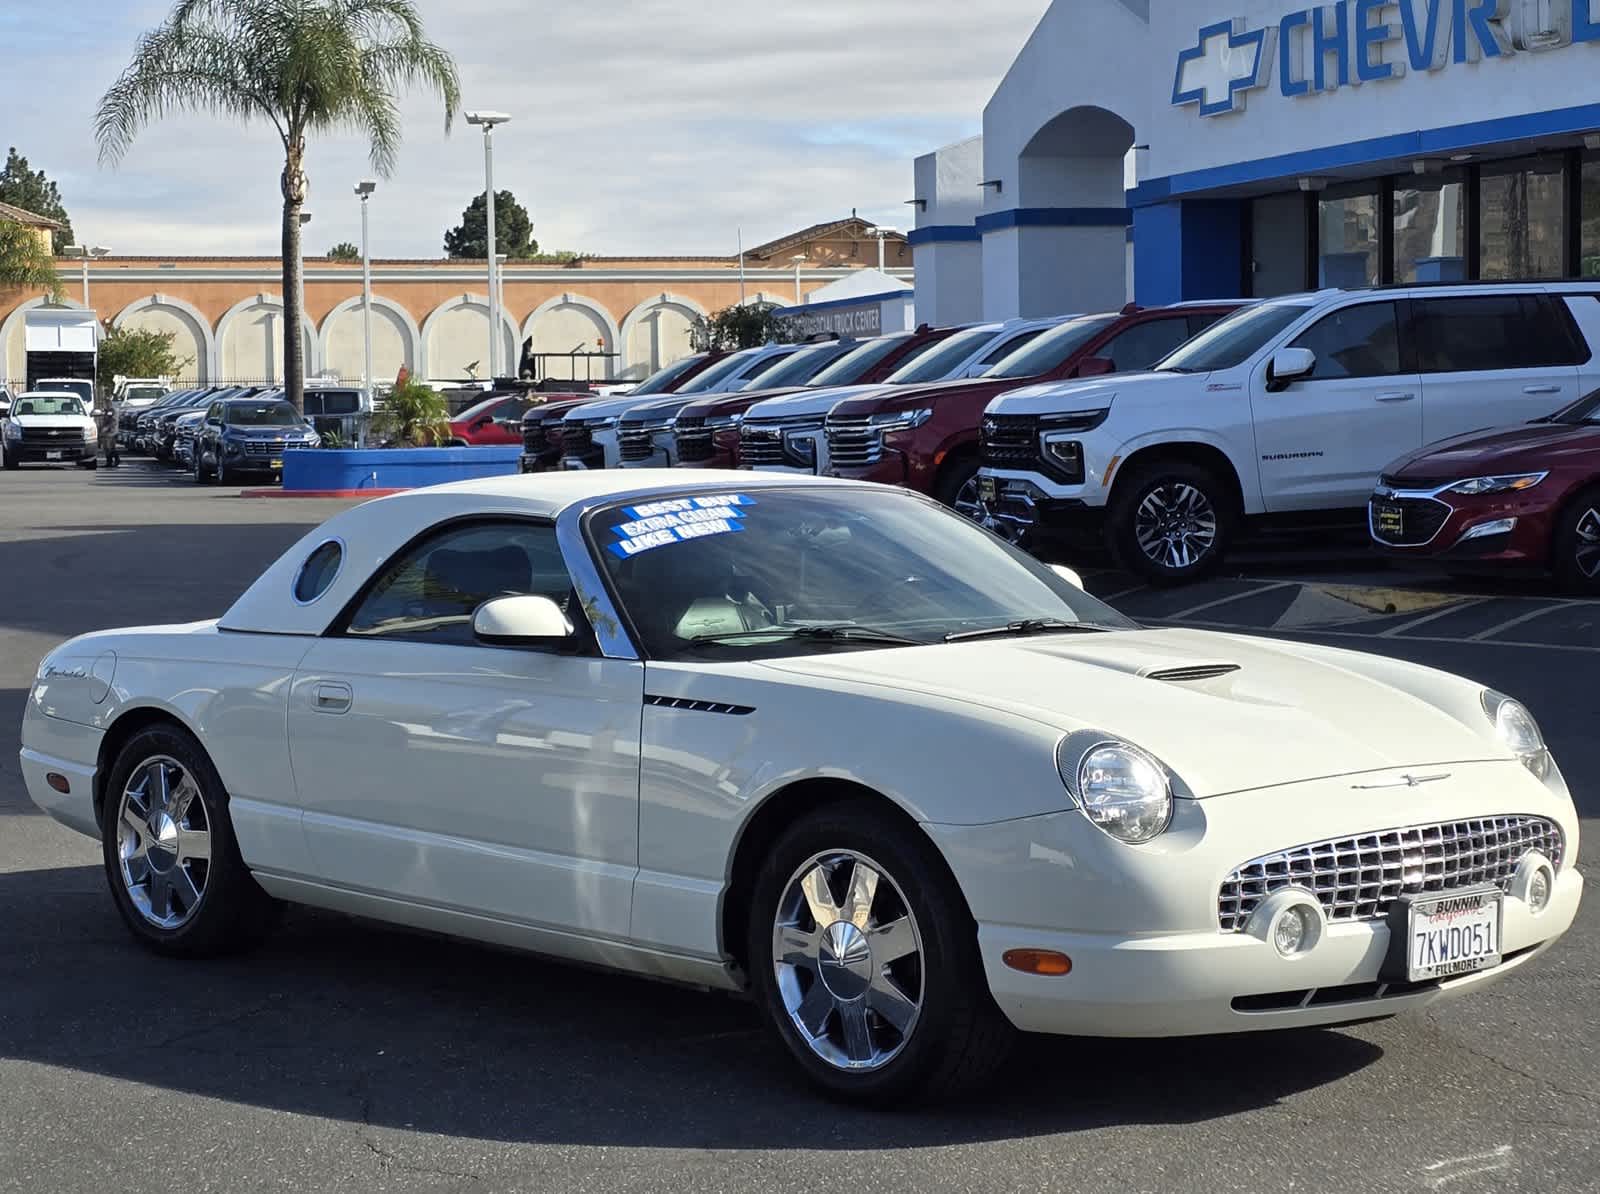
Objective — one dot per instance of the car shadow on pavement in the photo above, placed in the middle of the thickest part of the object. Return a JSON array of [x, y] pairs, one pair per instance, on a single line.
[[388, 1030]]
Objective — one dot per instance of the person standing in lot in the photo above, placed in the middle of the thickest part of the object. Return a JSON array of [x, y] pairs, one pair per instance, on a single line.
[[108, 435]]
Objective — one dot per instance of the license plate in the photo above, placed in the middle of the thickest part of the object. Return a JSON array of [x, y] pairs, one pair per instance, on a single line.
[[275, 464], [988, 491], [1390, 520], [52, 455], [1452, 933]]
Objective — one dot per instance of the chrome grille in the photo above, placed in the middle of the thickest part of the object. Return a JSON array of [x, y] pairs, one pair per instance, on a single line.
[[853, 442], [636, 442], [760, 444], [1358, 878], [576, 439], [52, 437], [1423, 518], [693, 438], [265, 449], [534, 441], [1010, 441]]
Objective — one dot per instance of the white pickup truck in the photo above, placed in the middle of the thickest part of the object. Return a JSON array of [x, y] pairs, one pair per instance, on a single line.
[[49, 428], [1285, 412]]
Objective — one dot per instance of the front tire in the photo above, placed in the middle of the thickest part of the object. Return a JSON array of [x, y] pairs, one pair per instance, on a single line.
[[887, 1002], [171, 859], [1575, 548], [1170, 522], [958, 487]]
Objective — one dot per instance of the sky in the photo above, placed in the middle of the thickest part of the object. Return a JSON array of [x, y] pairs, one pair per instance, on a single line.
[[640, 126]]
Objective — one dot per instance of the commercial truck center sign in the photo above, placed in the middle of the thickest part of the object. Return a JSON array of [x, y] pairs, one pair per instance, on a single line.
[[1328, 46]]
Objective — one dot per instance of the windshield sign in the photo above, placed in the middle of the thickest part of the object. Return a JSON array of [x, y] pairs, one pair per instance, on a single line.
[[789, 571]]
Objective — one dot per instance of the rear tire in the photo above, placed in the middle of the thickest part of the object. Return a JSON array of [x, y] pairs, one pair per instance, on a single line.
[[170, 855], [1575, 546], [909, 948], [1170, 522]]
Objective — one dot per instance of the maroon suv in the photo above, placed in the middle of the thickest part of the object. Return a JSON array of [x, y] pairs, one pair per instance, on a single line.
[[926, 437]]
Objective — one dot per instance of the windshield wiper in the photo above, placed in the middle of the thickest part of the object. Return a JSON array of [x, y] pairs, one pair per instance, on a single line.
[[842, 632], [1026, 627]]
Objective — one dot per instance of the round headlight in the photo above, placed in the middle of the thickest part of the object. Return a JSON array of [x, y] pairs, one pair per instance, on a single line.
[[1125, 792], [1515, 727]]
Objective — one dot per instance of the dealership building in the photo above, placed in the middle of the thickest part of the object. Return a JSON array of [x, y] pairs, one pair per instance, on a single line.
[[1164, 150]]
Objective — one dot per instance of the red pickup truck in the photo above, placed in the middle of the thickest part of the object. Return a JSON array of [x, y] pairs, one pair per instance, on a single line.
[[926, 437]]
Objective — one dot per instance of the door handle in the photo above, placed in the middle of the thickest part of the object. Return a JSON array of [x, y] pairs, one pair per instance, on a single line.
[[331, 698], [1541, 389], [1397, 396]]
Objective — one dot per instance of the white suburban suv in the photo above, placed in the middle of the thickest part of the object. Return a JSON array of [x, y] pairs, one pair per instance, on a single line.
[[1285, 412]]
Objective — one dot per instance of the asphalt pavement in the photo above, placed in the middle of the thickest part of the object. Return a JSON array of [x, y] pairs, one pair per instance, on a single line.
[[348, 1056]]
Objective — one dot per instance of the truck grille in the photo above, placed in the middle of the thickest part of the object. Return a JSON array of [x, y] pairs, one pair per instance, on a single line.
[[577, 443], [1421, 520], [1010, 441], [853, 442], [636, 442], [52, 437], [534, 440], [760, 445], [1358, 878], [694, 441], [265, 449]]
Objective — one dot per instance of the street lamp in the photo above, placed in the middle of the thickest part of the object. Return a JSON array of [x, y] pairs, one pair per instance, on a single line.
[[305, 365], [487, 121], [364, 190], [881, 233], [500, 260], [96, 251], [797, 259]]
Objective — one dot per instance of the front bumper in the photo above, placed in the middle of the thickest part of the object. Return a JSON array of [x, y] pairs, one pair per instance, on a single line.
[[1473, 530], [40, 454], [1141, 925], [1022, 512]]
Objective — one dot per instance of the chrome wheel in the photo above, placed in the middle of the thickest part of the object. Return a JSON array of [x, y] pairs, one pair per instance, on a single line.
[[1586, 551], [1175, 525], [848, 960], [164, 842], [966, 500]]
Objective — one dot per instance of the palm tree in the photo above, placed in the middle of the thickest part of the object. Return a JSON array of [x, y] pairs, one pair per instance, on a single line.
[[304, 66]]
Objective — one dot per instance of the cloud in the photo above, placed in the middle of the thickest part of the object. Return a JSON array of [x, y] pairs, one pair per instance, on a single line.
[[644, 126]]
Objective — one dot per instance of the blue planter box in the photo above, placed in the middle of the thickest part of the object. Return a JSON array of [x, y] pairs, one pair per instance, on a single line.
[[395, 468]]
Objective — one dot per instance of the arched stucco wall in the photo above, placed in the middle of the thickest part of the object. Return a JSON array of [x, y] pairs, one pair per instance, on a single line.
[[250, 341], [395, 340], [570, 321], [13, 342], [191, 330], [656, 333], [456, 334]]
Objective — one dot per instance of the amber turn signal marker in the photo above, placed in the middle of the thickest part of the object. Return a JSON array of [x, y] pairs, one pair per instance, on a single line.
[[59, 783], [1038, 961]]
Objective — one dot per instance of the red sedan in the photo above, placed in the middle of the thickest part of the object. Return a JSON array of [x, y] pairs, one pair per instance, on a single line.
[[1523, 497]]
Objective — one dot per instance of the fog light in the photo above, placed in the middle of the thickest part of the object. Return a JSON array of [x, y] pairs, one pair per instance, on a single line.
[[1539, 891], [1500, 526], [1291, 931]]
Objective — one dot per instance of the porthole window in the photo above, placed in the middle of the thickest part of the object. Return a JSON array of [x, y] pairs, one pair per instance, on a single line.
[[318, 572]]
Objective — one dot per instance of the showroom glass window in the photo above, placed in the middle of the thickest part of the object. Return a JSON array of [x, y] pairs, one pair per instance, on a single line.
[[1347, 237], [430, 593], [1591, 217], [1430, 229], [1360, 341], [1522, 219]]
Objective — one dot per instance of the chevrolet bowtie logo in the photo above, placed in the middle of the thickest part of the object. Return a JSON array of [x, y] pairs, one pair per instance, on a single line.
[[1222, 68]]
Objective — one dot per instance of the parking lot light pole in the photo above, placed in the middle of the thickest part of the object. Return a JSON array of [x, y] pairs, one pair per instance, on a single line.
[[86, 252], [364, 190], [487, 121], [797, 259]]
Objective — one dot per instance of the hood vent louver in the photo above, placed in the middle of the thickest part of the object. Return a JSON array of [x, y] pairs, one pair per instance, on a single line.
[[1193, 673]]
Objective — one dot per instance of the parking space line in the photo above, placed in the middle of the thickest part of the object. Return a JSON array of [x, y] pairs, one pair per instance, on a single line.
[[1454, 607], [1538, 612], [1124, 593], [1315, 632], [1255, 592]]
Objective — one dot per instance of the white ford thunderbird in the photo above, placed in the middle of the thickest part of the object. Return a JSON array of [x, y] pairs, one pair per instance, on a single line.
[[825, 741]]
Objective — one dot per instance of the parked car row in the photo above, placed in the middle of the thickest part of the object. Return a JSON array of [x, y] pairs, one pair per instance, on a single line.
[[228, 433]]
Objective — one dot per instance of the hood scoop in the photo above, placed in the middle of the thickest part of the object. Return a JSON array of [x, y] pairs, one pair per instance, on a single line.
[[1192, 673]]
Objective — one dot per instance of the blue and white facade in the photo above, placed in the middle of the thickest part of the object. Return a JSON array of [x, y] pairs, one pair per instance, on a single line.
[[1163, 150]]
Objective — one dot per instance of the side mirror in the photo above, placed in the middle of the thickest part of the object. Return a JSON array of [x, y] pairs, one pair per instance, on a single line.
[[1288, 366], [1068, 575], [1096, 366], [518, 621]]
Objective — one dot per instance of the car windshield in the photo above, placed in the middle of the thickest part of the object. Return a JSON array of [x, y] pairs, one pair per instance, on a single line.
[[858, 362], [142, 394], [661, 380], [710, 381], [261, 414], [812, 570], [1045, 352], [54, 405], [83, 389], [803, 367], [1234, 340], [935, 362]]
